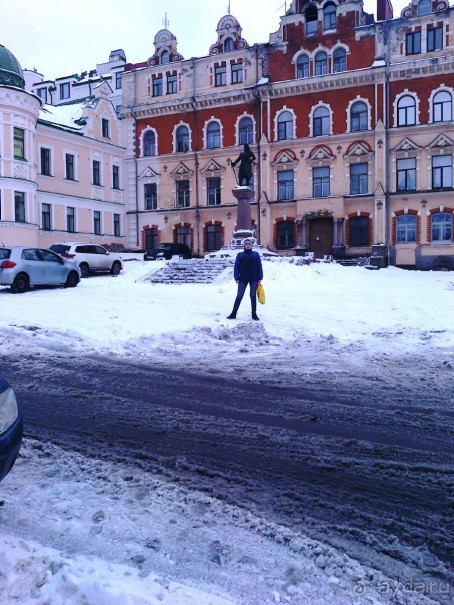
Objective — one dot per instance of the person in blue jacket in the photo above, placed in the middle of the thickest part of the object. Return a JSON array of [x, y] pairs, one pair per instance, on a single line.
[[248, 270]]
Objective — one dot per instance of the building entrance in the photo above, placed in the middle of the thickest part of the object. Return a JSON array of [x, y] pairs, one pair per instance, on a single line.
[[321, 236]]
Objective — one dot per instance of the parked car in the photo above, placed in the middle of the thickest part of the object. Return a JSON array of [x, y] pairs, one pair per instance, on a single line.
[[167, 250], [90, 258], [25, 266], [10, 428]]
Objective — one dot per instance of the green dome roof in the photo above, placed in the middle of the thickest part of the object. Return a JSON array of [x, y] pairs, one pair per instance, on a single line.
[[10, 70]]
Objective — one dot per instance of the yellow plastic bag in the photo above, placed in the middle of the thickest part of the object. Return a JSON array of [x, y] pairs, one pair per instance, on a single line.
[[261, 294]]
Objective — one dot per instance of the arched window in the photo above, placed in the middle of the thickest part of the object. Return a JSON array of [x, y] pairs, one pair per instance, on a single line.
[[406, 111], [213, 135], [329, 17], [442, 107], [228, 45], [359, 231], [321, 63], [311, 16], [358, 117], [182, 139], [406, 228], [213, 237], [424, 8], [442, 227], [321, 121], [285, 126], [245, 131], [285, 235], [149, 143], [151, 238], [339, 60], [165, 57], [183, 236], [302, 67]]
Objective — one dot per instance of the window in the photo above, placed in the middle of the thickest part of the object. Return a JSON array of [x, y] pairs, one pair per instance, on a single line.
[[406, 174], [19, 144], [413, 45], [302, 67], [237, 73], [321, 63], [172, 84], [182, 137], [70, 220], [70, 173], [406, 228], [220, 75], [183, 194], [246, 128], [358, 117], [157, 86], [97, 222], [320, 185], [213, 191], [339, 60], [42, 94], [285, 126], [285, 235], [329, 17], [442, 227], [434, 39], [151, 238], [321, 121], [213, 237], [116, 225], [65, 91], [115, 177], [45, 217], [311, 16], [424, 8], [406, 111], [359, 231], [228, 45], [442, 172], [118, 80], [96, 172], [165, 57], [442, 107], [150, 195], [149, 143], [19, 207], [358, 179], [105, 128], [184, 236], [45, 161], [285, 179], [213, 135]]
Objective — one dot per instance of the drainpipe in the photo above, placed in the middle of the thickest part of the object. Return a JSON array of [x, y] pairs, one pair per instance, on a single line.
[[258, 108], [136, 169], [196, 156], [387, 28]]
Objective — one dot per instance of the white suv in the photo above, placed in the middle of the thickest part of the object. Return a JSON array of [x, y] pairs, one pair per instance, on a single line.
[[90, 258]]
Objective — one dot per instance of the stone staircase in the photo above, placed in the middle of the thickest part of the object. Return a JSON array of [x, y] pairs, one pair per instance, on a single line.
[[194, 271]]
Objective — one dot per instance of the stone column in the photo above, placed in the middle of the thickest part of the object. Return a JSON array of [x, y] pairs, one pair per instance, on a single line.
[[244, 196]]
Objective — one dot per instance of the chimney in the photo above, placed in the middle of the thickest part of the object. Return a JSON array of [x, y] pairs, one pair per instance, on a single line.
[[384, 10]]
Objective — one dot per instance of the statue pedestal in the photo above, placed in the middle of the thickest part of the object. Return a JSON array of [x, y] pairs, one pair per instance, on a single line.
[[244, 197]]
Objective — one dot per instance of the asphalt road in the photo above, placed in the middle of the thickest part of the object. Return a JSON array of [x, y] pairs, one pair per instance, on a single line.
[[356, 467]]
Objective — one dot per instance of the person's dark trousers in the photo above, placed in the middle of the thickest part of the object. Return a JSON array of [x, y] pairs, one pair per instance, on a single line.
[[239, 297]]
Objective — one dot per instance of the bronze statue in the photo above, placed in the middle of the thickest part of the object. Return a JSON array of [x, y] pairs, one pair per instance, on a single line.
[[245, 159]]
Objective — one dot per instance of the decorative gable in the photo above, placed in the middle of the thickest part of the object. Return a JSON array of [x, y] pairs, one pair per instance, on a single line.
[[358, 149], [212, 168], [286, 157], [442, 142], [407, 145], [148, 173], [321, 154], [182, 172], [228, 28]]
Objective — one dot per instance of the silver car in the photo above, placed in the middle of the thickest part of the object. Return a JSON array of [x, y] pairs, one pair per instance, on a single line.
[[90, 258], [24, 266]]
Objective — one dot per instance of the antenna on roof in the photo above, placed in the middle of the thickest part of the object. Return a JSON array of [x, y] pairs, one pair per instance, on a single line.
[[283, 5], [165, 21], [228, 8]]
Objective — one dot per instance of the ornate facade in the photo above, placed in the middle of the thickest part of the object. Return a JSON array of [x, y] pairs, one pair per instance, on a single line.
[[351, 121]]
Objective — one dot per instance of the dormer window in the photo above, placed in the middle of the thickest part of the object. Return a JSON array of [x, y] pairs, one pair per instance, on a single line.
[[228, 45], [329, 17], [311, 16], [165, 57], [424, 8]]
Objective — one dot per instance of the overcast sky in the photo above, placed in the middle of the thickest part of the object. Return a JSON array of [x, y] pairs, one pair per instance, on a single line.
[[61, 37]]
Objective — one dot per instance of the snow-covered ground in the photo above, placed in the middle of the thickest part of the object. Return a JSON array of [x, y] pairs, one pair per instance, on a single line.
[[72, 542]]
